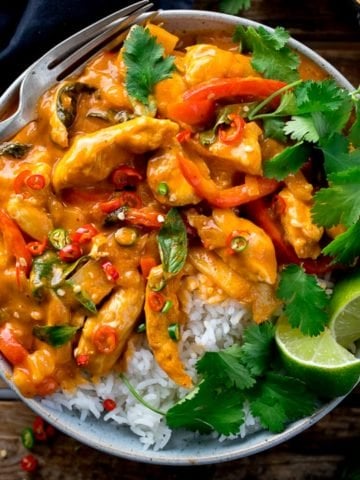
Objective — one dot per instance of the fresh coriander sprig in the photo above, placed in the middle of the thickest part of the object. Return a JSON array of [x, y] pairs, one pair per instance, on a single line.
[[145, 63], [305, 301]]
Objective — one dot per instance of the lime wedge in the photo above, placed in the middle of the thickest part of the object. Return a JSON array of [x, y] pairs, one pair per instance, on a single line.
[[320, 361], [345, 311]]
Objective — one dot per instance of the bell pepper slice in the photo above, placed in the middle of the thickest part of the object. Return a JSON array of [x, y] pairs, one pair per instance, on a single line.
[[11, 348], [15, 243], [221, 88], [192, 112], [230, 197]]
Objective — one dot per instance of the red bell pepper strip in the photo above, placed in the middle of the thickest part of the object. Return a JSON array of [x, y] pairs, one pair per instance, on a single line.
[[230, 197], [221, 88], [192, 112], [261, 213], [15, 243], [11, 348]]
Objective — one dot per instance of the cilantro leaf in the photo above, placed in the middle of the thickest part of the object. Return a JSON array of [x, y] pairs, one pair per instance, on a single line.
[[340, 202], [232, 7], [323, 96], [337, 156], [278, 399], [287, 161], [302, 128], [271, 56], [208, 408], [226, 365], [257, 348], [305, 301], [274, 128], [346, 246], [146, 65], [354, 135]]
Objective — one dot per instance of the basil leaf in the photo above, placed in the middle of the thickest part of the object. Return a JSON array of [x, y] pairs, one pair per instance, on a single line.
[[172, 241], [55, 335], [65, 110], [15, 149], [42, 271], [82, 297]]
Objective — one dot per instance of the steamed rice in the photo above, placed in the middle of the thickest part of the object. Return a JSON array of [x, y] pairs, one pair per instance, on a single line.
[[213, 323]]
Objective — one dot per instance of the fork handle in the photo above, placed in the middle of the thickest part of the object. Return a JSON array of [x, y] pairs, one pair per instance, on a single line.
[[10, 126]]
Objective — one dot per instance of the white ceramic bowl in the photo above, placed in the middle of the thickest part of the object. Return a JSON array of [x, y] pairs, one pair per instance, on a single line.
[[182, 449]]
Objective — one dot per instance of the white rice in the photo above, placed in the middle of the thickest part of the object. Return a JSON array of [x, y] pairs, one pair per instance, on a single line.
[[211, 325]]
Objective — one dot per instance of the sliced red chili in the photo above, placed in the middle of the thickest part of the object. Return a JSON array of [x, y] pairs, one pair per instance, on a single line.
[[105, 339], [20, 179], [110, 270], [82, 360], [39, 429], [70, 252], [35, 181], [29, 463], [84, 234], [183, 136], [109, 404], [128, 199], [125, 176], [156, 301], [235, 133], [37, 248]]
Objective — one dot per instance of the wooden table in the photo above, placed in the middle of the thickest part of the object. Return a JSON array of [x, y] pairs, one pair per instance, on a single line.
[[326, 450]]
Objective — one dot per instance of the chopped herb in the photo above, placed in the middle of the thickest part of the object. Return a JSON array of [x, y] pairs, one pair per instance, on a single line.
[[174, 331], [65, 109], [305, 301], [141, 328], [162, 188], [15, 149], [167, 306], [145, 62], [274, 128], [55, 335], [172, 241]]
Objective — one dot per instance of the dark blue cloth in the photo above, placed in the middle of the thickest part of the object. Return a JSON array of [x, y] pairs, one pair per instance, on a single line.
[[28, 28]]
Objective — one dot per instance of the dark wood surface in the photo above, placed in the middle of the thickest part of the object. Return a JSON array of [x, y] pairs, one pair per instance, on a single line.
[[328, 450]]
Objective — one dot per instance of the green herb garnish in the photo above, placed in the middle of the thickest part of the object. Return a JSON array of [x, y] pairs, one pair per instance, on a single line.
[[146, 64], [305, 301], [55, 335], [172, 241]]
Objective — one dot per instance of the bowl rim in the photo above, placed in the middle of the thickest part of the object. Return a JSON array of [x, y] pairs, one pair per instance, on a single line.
[[200, 454]]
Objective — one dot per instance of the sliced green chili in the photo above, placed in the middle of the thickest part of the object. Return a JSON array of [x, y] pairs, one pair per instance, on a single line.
[[174, 331]]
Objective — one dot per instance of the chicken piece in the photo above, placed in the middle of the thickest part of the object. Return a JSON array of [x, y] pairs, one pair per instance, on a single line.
[[33, 220], [260, 297], [245, 155], [104, 335], [257, 262], [92, 157], [164, 168], [164, 348], [203, 62], [296, 219]]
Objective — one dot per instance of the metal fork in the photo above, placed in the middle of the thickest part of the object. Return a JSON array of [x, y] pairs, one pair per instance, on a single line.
[[66, 58]]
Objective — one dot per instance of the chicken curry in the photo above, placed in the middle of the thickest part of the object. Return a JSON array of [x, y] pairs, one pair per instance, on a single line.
[[109, 203]]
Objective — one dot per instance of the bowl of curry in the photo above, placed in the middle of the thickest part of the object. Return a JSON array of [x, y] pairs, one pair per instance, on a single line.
[[142, 238]]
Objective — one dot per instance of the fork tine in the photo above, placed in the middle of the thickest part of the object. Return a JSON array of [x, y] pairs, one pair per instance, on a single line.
[[72, 43], [82, 54]]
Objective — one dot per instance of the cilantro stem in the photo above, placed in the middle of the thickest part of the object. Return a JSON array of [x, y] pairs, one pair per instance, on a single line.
[[138, 397], [253, 113]]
